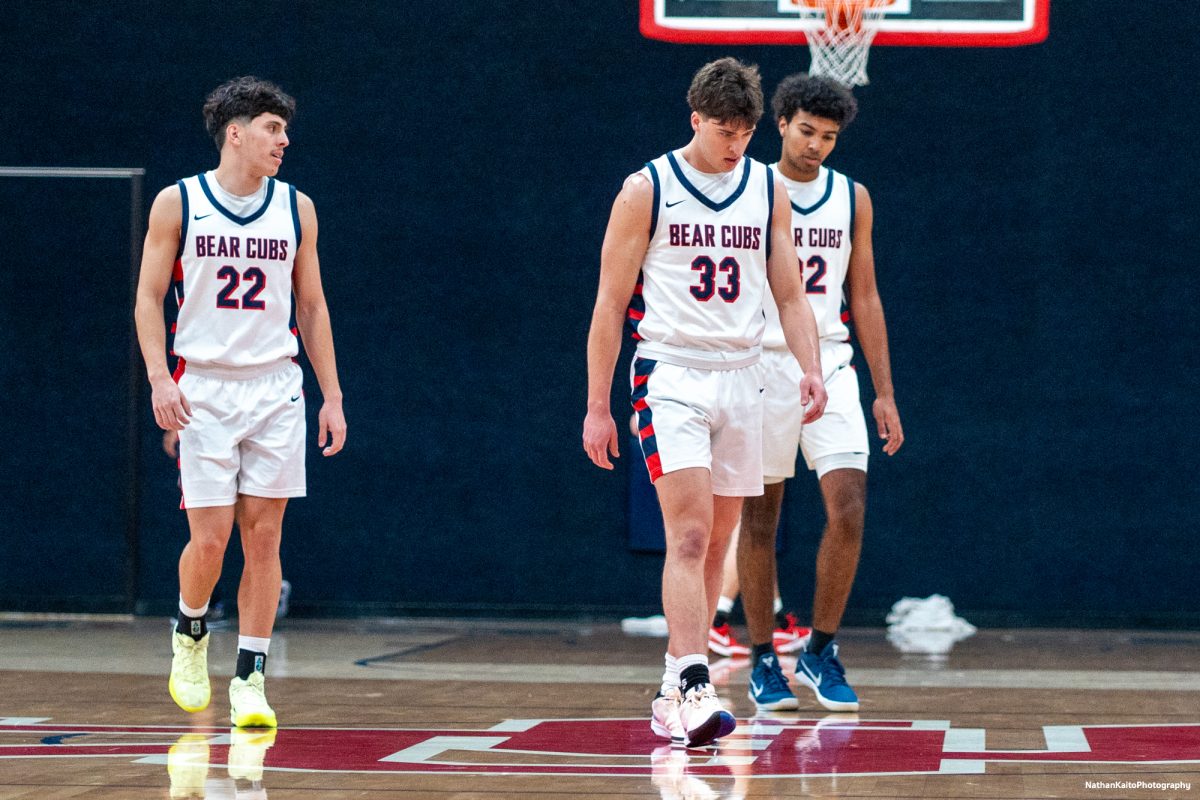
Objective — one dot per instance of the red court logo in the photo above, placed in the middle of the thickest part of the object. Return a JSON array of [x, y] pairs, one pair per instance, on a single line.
[[760, 747]]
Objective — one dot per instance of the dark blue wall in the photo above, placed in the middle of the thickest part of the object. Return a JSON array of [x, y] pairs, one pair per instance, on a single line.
[[1034, 216]]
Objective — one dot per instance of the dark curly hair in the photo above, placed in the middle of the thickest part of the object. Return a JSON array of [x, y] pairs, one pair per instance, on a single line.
[[728, 91], [244, 98], [816, 95]]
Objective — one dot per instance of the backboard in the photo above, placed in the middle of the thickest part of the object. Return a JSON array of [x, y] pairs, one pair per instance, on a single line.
[[937, 23]]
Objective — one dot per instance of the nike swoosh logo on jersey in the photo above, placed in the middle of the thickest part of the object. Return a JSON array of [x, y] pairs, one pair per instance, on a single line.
[[677, 202], [294, 399], [201, 216]]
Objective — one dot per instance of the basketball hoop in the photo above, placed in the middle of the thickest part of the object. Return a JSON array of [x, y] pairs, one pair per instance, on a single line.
[[841, 42]]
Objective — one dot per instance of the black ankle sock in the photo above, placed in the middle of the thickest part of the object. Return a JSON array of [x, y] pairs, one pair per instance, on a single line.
[[720, 618], [818, 640], [761, 650], [194, 627], [249, 661], [781, 620], [695, 675]]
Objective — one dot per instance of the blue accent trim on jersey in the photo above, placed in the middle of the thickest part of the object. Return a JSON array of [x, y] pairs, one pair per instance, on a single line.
[[296, 214], [229, 214], [657, 196], [821, 202], [183, 227], [696, 193], [770, 207], [850, 183]]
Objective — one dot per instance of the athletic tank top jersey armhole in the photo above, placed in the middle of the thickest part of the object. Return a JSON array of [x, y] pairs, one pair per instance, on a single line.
[[234, 276], [698, 300]]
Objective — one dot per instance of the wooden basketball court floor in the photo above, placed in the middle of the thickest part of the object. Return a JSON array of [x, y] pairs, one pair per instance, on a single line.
[[387, 708]]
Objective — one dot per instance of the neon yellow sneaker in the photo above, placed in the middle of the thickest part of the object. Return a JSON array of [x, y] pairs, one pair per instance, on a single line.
[[189, 672], [247, 752], [248, 706], [187, 766]]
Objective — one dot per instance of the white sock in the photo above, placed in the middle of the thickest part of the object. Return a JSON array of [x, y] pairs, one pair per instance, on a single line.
[[670, 673], [778, 605], [254, 644], [194, 613], [724, 604]]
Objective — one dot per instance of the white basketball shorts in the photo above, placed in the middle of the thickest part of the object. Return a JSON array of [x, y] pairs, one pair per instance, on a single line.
[[841, 429], [688, 417], [246, 435]]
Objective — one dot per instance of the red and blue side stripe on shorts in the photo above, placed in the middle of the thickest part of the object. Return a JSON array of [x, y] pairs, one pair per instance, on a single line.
[[642, 367], [636, 310]]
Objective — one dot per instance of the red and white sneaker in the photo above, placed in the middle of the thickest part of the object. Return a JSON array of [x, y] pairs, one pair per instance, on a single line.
[[664, 714], [721, 641], [704, 718], [791, 638]]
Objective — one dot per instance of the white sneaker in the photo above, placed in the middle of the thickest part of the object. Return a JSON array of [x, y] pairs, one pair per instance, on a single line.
[[248, 706], [188, 683], [664, 714], [704, 718]]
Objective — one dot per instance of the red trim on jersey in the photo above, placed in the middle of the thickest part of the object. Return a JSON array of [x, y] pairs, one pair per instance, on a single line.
[[646, 432], [638, 380], [179, 368], [654, 465], [177, 270], [640, 404], [635, 314]]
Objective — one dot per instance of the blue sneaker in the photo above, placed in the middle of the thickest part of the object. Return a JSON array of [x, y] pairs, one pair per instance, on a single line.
[[769, 687], [826, 676]]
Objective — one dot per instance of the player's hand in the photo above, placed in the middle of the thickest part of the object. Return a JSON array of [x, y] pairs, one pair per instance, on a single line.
[[171, 443], [887, 418], [172, 411], [813, 397], [331, 424], [600, 438]]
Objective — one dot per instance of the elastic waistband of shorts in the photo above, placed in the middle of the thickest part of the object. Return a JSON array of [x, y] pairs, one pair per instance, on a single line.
[[228, 373], [699, 359], [834, 356]]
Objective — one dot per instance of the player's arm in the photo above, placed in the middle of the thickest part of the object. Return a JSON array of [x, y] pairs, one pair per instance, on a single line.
[[171, 408], [621, 256], [312, 317], [866, 309], [795, 314]]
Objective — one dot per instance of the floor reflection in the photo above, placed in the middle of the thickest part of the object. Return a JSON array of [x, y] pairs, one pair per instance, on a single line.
[[193, 773]]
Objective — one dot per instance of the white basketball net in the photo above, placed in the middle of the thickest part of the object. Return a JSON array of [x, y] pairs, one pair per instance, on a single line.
[[841, 43]]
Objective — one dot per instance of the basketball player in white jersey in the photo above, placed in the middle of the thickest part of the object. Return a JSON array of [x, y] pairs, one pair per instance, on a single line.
[[830, 230], [692, 242], [238, 244]]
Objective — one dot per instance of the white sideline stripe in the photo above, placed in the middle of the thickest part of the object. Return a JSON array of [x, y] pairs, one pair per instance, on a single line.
[[424, 751], [70, 172], [49, 658], [516, 725], [23, 720], [964, 740], [962, 766], [1066, 739]]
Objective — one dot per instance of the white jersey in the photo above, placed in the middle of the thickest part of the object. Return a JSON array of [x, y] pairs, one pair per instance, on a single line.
[[698, 301], [233, 274], [822, 231]]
